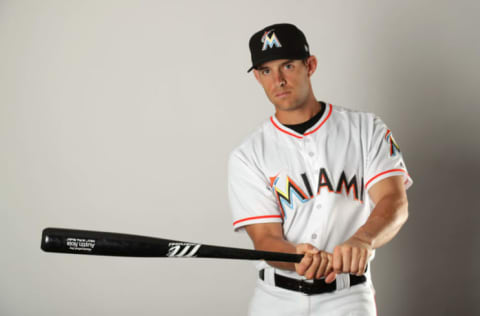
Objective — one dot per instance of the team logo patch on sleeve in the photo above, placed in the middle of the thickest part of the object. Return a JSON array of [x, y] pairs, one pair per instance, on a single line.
[[394, 148]]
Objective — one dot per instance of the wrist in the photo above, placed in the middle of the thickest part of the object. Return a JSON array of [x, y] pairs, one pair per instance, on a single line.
[[365, 238]]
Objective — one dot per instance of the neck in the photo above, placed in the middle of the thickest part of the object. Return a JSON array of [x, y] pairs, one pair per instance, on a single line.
[[300, 114]]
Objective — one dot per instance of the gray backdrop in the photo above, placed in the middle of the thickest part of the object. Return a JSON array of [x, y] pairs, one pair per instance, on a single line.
[[119, 116]]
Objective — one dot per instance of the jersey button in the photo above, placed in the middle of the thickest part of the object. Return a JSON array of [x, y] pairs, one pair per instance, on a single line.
[[314, 236], [311, 154], [319, 206]]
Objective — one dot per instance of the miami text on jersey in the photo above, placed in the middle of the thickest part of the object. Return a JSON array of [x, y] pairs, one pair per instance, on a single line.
[[285, 189]]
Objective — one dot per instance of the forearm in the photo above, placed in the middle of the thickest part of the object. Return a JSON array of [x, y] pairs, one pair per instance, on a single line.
[[385, 221], [277, 244]]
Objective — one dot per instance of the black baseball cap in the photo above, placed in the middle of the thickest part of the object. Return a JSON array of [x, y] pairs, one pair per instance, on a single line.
[[278, 41]]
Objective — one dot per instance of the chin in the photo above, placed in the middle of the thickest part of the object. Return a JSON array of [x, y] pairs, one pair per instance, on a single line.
[[285, 105]]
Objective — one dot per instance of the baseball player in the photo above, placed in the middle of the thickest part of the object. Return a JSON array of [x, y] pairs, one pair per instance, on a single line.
[[315, 179]]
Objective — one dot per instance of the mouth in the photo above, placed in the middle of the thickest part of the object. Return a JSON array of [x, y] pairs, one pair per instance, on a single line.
[[282, 94]]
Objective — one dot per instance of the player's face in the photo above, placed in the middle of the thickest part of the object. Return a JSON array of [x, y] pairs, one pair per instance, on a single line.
[[286, 82]]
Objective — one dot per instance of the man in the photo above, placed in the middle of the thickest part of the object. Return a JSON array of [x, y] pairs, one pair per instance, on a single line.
[[314, 179]]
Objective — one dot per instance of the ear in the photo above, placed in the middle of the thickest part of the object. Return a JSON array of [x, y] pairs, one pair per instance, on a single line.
[[257, 76], [311, 65]]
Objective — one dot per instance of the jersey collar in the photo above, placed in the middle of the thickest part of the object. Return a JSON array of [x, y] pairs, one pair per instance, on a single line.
[[311, 130]]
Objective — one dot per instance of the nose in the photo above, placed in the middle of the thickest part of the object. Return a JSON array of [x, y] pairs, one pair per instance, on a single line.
[[280, 79]]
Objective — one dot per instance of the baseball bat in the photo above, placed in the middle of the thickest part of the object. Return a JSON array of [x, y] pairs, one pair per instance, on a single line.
[[88, 242]]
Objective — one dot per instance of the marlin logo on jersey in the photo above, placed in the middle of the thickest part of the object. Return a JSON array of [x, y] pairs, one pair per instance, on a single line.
[[287, 191], [394, 148], [269, 39]]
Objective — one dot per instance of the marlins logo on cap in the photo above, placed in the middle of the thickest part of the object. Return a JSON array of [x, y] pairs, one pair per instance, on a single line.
[[265, 44], [269, 39]]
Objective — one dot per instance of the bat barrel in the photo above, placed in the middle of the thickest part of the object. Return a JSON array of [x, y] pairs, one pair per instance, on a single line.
[[101, 243]]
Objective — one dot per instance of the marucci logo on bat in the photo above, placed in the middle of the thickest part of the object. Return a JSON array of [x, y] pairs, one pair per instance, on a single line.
[[181, 249], [80, 244]]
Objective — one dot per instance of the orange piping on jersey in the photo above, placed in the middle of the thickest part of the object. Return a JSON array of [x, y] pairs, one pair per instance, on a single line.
[[282, 130], [311, 132], [381, 174], [326, 118], [256, 217]]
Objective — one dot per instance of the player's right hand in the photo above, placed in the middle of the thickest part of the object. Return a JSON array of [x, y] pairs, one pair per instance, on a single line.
[[315, 263]]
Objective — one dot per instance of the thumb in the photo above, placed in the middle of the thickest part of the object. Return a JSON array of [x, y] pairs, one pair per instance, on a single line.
[[306, 248]]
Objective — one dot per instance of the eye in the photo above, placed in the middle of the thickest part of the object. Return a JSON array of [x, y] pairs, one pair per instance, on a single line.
[[289, 66], [265, 71]]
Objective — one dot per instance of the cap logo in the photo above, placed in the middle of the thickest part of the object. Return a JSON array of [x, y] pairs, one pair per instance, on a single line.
[[269, 39]]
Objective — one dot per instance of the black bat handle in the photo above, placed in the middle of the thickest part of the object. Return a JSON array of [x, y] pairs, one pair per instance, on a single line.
[[238, 253]]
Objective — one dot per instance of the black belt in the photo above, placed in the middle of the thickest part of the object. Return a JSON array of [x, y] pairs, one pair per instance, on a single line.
[[318, 286]]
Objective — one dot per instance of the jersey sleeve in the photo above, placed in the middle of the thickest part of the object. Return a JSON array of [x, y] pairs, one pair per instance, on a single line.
[[250, 197], [384, 158]]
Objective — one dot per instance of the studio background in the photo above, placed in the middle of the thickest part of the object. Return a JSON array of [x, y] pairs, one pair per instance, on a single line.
[[120, 115]]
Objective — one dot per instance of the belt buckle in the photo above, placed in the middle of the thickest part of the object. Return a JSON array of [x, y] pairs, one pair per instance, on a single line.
[[303, 286]]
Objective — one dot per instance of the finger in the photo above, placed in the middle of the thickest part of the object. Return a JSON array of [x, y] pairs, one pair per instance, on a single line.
[[304, 264], [330, 277], [356, 255], [313, 267], [322, 266], [329, 264], [337, 260], [362, 263], [346, 256]]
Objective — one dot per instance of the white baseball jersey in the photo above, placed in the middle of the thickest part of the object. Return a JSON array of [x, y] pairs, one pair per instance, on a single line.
[[315, 183]]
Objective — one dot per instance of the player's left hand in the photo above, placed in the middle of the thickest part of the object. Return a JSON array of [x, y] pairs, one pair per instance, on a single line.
[[352, 256]]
